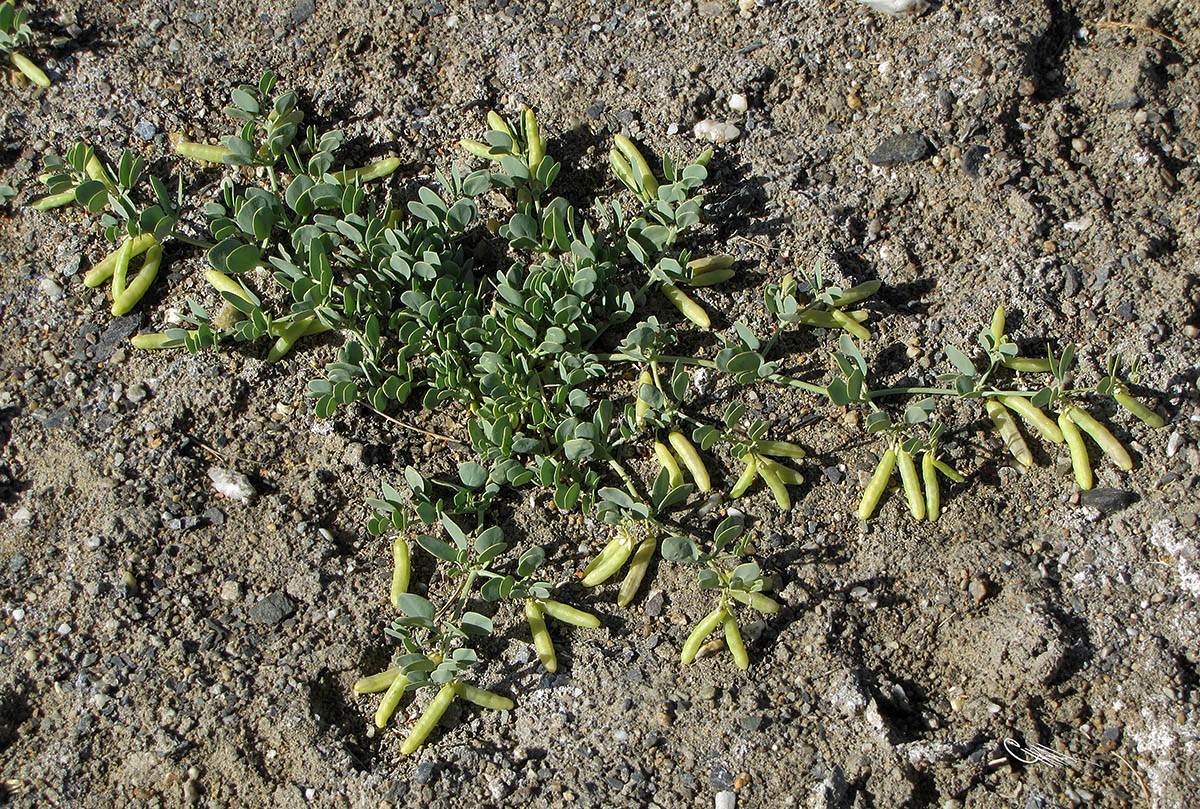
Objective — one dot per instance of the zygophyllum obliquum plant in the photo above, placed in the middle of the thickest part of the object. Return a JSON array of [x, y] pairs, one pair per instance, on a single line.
[[544, 350]]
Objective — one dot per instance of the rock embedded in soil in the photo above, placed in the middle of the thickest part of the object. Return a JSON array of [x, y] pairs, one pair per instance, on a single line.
[[907, 147], [233, 485], [1107, 501], [272, 610]]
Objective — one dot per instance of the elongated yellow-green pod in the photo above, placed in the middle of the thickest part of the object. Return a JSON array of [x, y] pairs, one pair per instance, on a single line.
[[778, 489], [691, 459], [496, 121], [1010, 434], [542, 643], [568, 614], [429, 719], [152, 341], [667, 461], [933, 493], [642, 407], [1113, 448], [997, 327], [857, 293], [639, 165], [476, 148], [790, 477], [879, 482], [535, 147], [912, 484], [703, 629], [733, 640], [141, 282], [758, 601], [1138, 409], [401, 570], [606, 565], [34, 73], [637, 571], [703, 158], [203, 152], [746, 478], [721, 261], [948, 470], [374, 683], [391, 698], [845, 321], [622, 169], [1029, 365], [291, 333], [780, 449], [484, 699], [121, 271], [819, 318], [1034, 416], [686, 306], [54, 200], [365, 174], [103, 269], [712, 278], [1080, 464]]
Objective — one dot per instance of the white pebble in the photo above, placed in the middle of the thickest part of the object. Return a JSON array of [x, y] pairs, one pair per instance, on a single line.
[[894, 7], [725, 800], [50, 288], [672, 129], [22, 516], [1173, 443], [885, 68], [233, 485], [738, 103], [18, 614], [64, 629], [716, 131]]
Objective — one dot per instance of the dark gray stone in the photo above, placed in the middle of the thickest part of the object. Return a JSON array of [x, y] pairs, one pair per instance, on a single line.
[[720, 776], [1107, 501], [272, 610], [972, 159], [303, 10], [907, 147], [424, 773]]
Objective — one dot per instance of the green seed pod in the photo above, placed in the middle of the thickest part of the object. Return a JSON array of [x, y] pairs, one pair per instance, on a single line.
[[103, 269], [933, 494], [845, 321], [375, 683], [712, 278], [857, 293], [54, 201], [667, 461], [497, 122], [637, 162], [733, 640], [391, 698], [879, 482], [642, 407], [476, 148], [782, 498], [1138, 409], [948, 470], [997, 328], [365, 174], [401, 570], [430, 718], [691, 459], [1113, 448], [789, 476], [780, 449], [137, 288], [746, 478], [291, 333], [121, 270], [703, 629], [567, 614], [541, 636], [150, 342], [1029, 365], [1009, 433], [699, 266], [623, 170], [34, 73], [535, 147], [758, 601], [610, 560], [203, 152], [223, 283], [912, 484], [484, 699], [1033, 416], [686, 306], [637, 571], [1080, 465]]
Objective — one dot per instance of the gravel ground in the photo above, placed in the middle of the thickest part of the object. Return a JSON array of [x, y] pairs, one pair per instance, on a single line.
[[165, 645]]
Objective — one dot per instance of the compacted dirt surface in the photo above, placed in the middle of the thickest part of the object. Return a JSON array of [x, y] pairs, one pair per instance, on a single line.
[[163, 645]]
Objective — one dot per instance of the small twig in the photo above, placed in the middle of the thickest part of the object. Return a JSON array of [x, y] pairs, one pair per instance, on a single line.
[[413, 427], [1135, 27], [756, 244], [224, 456], [1137, 775]]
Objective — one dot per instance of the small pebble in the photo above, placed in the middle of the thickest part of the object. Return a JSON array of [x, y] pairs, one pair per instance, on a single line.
[[716, 131], [738, 103], [233, 485], [725, 800]]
